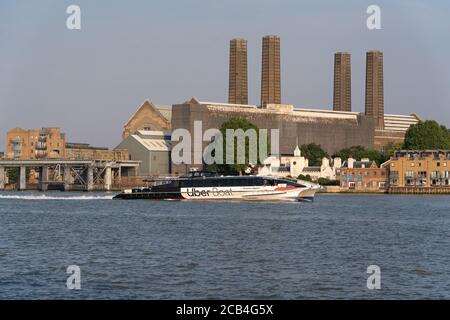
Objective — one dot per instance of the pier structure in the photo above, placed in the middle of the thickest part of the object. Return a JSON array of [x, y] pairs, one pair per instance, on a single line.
[[87, 175]]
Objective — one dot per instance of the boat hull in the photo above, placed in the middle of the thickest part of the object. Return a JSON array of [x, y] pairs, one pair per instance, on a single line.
[[225, 193]]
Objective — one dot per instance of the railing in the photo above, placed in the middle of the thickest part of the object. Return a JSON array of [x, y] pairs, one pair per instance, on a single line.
[[41, 145]]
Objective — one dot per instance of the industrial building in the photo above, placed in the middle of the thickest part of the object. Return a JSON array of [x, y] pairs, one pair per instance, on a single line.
[[151, 149], [333, 129], [148, 117]]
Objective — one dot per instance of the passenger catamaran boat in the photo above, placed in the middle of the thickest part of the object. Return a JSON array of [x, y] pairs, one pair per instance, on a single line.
[[202, 185]]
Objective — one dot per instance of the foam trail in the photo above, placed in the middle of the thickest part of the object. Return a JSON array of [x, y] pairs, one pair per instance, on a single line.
[[46, 197]]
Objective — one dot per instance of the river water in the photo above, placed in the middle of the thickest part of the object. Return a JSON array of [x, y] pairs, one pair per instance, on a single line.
[[223, 250]]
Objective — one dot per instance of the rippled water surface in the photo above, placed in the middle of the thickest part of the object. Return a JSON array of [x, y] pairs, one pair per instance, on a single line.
[[189, 250]]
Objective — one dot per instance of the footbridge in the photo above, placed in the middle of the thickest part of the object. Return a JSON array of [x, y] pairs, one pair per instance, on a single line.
[[85, 175]]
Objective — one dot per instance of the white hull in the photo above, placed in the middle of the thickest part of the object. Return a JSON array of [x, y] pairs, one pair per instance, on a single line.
[[207, 186], [248, 193]]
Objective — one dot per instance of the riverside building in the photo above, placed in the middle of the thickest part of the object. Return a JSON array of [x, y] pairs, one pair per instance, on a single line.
[[43, 143], [419, 171], [362, 176]]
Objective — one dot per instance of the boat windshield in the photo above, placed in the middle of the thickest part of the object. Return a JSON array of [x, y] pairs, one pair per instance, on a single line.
[[290, 183]]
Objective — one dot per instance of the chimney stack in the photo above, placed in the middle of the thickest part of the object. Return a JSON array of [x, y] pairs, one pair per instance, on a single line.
[[375, 88], [342, 95], [238, 85], [271, 74]]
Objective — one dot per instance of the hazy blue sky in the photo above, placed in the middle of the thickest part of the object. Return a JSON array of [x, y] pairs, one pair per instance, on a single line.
[[89, 82]]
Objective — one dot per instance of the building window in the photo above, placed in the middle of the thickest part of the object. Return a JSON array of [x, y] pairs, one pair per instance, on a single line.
[[412, 164], [438, 164]]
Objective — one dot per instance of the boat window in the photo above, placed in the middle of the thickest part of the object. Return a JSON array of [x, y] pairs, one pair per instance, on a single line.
[[290, 183], [269, 182]]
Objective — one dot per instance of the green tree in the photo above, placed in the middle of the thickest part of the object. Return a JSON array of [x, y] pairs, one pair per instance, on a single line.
[[14, 174], [359, 152], [327, 182], [390, 148], [427, 135], [314, 153], [236, 169], [305, 178]]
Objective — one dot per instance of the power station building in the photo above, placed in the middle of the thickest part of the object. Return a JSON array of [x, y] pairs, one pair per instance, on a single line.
[[333, 129]]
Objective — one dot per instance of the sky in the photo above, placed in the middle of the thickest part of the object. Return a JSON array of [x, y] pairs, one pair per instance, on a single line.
[[90, 81]]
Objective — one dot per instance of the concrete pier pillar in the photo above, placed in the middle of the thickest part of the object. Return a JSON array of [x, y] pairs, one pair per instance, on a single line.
[[90, 178], [108, 177], [23, 179], [2, 178], [67, 176], [43, 178]]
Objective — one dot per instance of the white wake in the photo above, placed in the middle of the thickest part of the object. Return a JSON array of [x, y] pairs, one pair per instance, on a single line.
[[46, 197]]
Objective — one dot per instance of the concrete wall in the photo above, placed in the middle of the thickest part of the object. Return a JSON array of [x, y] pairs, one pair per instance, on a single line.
[[332, 134], [159, 163], [137, 152], [96, 154], [384, 137]]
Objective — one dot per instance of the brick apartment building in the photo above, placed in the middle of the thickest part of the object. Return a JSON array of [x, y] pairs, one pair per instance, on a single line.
[[34, 144], [362, 176], [419, 169]]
